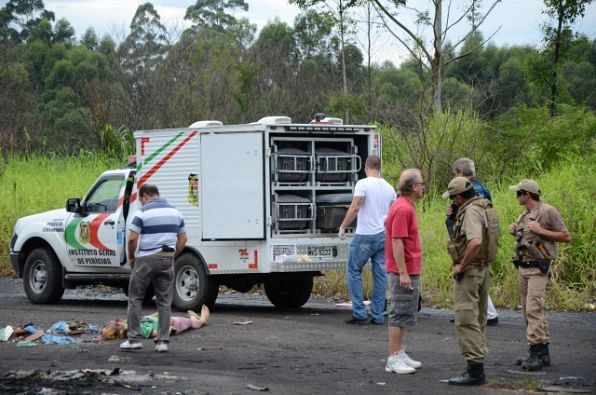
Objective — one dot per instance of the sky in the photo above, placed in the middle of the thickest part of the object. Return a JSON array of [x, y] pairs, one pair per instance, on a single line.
[[517, 21]]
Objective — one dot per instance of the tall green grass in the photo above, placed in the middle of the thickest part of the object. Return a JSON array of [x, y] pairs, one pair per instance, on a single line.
[[33, 183]]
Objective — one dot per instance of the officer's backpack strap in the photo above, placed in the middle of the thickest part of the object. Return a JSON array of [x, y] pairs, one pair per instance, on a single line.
[[490, 245]]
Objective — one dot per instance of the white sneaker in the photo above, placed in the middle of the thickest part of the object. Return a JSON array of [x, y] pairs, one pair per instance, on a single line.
[[396, 364], [131, 345], [409, 361], [161, 347]]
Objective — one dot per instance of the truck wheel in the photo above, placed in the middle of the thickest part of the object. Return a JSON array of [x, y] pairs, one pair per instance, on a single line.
[[149, 294], [289, 291], [42, 277], [192, 286]]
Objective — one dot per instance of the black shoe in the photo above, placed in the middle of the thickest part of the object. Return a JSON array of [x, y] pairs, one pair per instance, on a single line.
[[493, 321], [356, 321], [474, 375], [544, 355], [535, 361]]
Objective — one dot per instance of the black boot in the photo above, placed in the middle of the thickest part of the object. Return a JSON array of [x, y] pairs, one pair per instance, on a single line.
[[521, 360], [534, 361], [544, 355], [474, 375]]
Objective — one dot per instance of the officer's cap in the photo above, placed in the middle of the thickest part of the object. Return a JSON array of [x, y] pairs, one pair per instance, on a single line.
[[457, 186], [526, 185]]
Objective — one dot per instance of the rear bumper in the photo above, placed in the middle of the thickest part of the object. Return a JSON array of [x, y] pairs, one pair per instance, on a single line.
[[14, 261]]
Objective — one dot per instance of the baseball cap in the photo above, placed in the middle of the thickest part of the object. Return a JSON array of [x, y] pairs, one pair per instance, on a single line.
[[456, 186], [526, 185]]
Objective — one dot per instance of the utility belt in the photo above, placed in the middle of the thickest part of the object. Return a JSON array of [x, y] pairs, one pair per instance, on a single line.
[[543, 264], [165, 254], [166, 251]]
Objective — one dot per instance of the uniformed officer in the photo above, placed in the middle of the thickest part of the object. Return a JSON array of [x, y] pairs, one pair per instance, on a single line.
[[473, 247], [536, 231]]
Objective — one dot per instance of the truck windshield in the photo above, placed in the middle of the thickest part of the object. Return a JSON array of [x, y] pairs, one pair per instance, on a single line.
[[105, 196]]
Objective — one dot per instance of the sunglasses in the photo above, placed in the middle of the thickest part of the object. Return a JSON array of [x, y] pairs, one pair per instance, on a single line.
[[520, 193]]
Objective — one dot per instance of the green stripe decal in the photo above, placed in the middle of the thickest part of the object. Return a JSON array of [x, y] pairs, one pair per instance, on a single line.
[[69, 234], [159, 151]]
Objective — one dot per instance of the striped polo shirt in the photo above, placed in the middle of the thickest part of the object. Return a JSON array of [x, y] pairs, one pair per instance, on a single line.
[[158, 223]]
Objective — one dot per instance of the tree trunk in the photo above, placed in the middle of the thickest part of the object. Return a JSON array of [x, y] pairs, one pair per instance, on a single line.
[[437, 61], [343, 61], [557, 55]]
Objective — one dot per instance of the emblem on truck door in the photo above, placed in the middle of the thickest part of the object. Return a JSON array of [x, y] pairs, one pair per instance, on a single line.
[[193, 189], [84, 235]]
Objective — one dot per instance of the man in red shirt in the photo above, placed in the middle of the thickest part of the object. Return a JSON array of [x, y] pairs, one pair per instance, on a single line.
[[403, 254]]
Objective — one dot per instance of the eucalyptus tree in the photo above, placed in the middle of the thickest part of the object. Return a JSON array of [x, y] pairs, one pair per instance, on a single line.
[[19, 17], [557, 37], [143, 50], [213, 13], [431, 54], [338, 10]]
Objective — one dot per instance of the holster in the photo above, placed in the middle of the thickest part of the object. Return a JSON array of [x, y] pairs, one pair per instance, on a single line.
[[452, 250], [516, 262], [543, 266]]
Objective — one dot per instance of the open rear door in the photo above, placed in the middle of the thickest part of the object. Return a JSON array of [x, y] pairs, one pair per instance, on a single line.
[[232, 186]]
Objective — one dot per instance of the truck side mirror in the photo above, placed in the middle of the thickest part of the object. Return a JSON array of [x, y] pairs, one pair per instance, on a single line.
[[73, 205]]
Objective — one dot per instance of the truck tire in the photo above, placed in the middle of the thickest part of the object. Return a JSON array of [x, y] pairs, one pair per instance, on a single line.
[[42, 277], [192, 286], [149, 294], [289, 291]]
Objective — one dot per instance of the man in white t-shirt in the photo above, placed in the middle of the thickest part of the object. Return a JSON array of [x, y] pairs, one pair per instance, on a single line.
[[371, 201]]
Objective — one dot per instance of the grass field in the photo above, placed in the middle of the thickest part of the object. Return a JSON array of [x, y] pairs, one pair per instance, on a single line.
[[34, 184]]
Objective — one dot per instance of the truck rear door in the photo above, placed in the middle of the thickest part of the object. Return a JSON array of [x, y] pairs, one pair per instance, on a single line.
[[232, 186]]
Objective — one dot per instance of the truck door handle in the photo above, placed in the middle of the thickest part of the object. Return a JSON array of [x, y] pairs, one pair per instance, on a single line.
[[109, 222]]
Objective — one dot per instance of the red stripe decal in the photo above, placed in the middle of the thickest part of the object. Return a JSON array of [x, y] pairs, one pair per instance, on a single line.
[[212, 266], [255, 263], [163, 160], [94, 228]]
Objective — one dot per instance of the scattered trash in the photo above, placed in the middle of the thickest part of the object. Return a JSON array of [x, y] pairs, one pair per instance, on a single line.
[[257, 388], [34, 336], [570, 378], [6, 333], [26, 343], [348, 304], [114, 358], [53, 339], [526, 373], [73, 327], [381, 383], [247, 322], [566, 390]]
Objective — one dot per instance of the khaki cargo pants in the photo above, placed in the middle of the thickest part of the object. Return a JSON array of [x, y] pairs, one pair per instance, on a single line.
[[532, 287], [470, 300]]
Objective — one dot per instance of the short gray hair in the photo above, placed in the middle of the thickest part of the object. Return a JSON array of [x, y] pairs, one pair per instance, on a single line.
[[407, 180], [464, 166]]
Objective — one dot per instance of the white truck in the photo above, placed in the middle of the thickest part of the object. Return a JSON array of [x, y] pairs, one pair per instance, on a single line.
[[262, 204]]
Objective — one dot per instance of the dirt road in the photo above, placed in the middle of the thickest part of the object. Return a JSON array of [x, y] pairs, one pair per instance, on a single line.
[[306, 351]]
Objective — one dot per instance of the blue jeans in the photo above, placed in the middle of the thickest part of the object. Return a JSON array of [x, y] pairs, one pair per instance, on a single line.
[[362, 248]]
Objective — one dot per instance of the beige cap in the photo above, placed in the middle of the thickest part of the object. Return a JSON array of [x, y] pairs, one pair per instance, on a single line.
[[526, 185], [457, 186]]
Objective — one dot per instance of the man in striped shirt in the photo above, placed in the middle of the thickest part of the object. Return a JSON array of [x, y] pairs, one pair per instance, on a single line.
[[159, 232]]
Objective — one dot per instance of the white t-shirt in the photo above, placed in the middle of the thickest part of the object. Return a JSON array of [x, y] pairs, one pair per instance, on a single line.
[[378, 195]]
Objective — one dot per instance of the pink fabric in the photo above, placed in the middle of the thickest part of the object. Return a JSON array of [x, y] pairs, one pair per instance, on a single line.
[[182, 324], [402, 223]]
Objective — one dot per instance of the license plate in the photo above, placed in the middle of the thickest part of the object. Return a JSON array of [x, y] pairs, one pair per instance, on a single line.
[[320, 251]]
